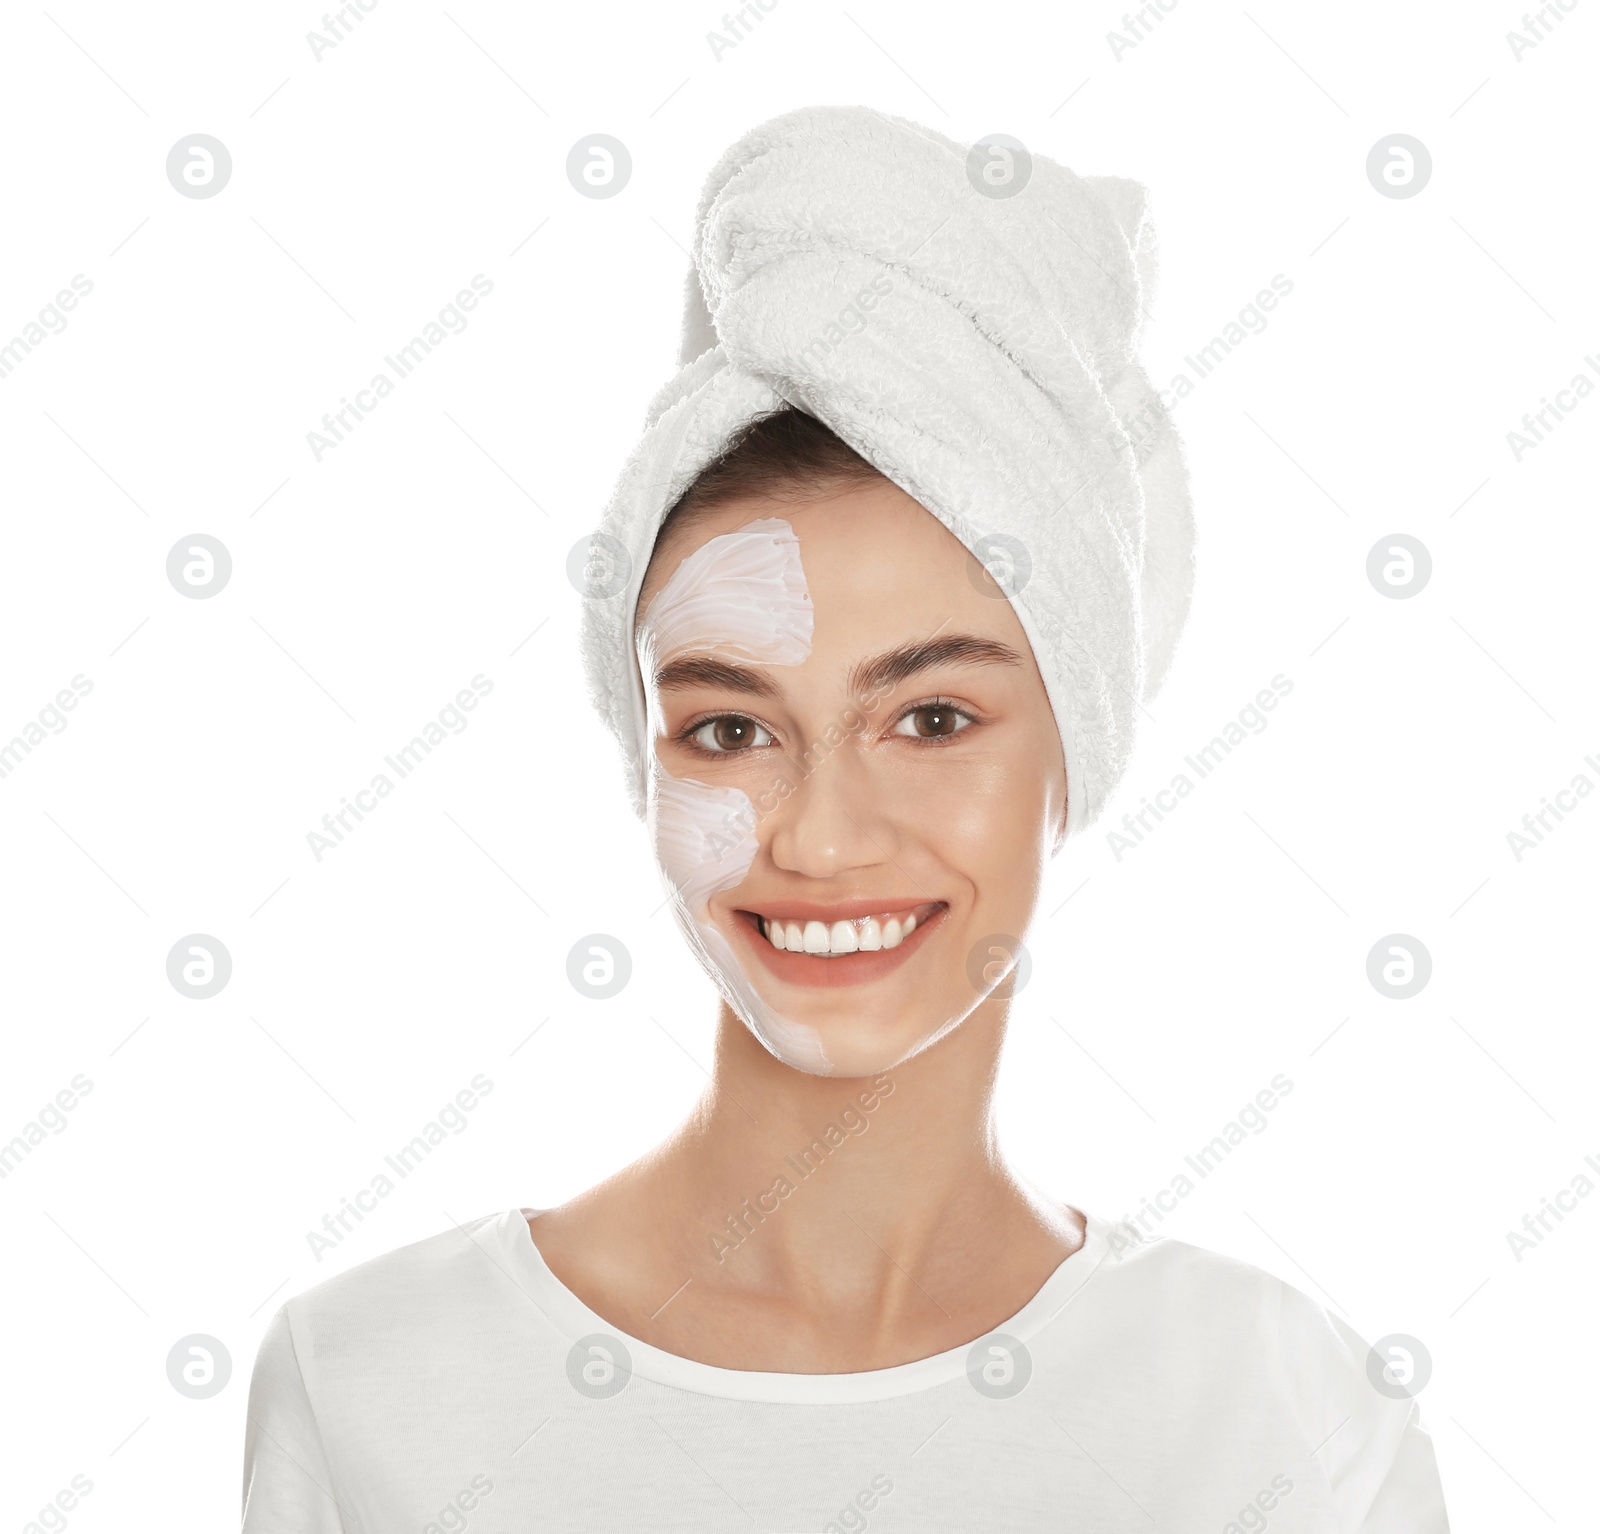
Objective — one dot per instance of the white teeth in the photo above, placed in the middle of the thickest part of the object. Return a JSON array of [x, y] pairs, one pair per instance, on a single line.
[[866, 934]]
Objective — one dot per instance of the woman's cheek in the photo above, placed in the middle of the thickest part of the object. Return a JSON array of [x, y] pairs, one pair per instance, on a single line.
[[973, 802], [704, 838], [986, 820], [705, 841]]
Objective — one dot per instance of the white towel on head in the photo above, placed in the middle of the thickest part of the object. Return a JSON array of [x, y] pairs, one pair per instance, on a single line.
[[979, 350]]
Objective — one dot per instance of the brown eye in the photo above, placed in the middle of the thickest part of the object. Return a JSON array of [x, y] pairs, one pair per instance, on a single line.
[[730, 732], [933, 721]]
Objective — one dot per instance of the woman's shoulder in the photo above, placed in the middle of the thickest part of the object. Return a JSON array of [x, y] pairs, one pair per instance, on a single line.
[[445, 1281], [1253, 1343], [1162, 1260], [1241, 1327], [1169, 1278]]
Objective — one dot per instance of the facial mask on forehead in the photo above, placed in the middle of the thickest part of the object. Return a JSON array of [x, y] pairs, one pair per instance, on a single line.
[[742, 597]]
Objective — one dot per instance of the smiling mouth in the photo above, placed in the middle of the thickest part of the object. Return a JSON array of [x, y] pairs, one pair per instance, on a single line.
[[842, 945], [831, 939]]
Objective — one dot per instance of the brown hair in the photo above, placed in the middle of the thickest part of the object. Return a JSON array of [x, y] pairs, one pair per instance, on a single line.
[[783, 454]]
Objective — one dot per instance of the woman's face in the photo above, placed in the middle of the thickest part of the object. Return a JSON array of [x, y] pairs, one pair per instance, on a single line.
[[857, 777]]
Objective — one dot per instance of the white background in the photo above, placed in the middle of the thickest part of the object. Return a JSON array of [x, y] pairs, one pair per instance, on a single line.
[[430, 546]]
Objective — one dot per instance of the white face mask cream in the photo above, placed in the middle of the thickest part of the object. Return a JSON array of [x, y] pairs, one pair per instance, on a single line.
[[742, 597]]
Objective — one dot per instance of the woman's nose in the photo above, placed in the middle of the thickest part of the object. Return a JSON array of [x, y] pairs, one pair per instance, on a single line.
[[836, 818]]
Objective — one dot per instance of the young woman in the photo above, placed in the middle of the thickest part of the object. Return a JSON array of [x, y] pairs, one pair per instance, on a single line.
[[868, 677]]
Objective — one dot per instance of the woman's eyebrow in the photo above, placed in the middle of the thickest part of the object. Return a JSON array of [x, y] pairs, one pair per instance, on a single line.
[[878, 673], [708, 671], [882, 672]]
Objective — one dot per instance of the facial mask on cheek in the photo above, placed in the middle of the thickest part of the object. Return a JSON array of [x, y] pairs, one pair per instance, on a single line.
[[705, 842], [741, 596]]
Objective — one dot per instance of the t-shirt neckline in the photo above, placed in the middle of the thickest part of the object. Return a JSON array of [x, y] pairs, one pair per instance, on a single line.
[[576, 1321]]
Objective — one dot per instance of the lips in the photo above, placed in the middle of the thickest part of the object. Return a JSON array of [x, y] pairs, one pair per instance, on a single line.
[[850, 943]]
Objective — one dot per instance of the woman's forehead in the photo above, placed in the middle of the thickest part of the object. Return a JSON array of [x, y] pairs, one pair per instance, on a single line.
[[869, 557]]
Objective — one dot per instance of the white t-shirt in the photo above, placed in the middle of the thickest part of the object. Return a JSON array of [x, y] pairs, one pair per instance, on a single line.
[[457, 1385]]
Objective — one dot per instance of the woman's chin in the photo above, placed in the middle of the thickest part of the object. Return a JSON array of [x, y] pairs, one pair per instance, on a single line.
[[852, 1047], [851, 1015]]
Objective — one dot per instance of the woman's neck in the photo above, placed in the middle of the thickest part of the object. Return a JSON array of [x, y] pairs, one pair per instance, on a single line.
[[817, 1224]]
